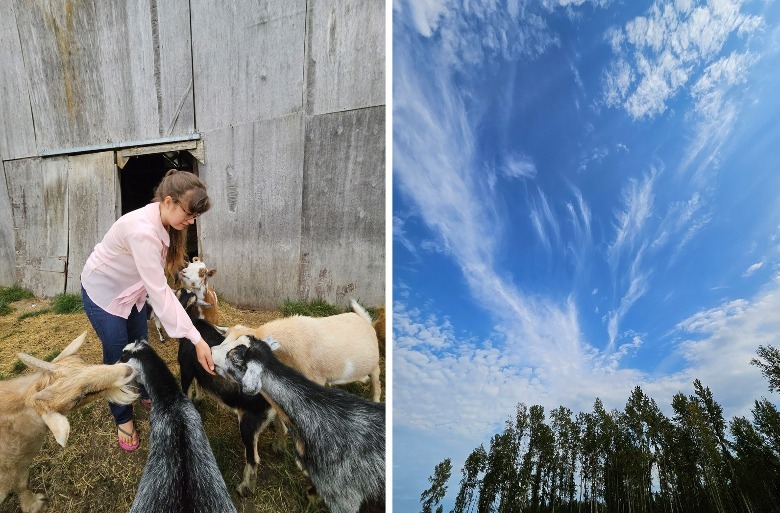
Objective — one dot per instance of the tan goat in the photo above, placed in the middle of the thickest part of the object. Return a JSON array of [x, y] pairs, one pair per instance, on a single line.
[[31, 403], [330, 350]]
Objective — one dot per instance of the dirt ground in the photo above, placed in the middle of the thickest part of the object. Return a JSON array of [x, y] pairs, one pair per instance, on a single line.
[[92, 474]]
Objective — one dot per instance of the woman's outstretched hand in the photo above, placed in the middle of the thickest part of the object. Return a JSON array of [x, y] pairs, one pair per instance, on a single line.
[[203, 351]]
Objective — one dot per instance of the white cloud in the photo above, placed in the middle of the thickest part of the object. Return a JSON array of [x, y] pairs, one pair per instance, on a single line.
[[399, 234], [426, 14], [752, 269], [543, 220], [630, 222], [471, 387], [658, 54], [519, 166]]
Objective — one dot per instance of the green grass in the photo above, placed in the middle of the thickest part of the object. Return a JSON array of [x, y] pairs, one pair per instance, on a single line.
[[316, 308], [62, 304], [67, 303], [34, 313], [16, 369], [14, 293], [10, 294]]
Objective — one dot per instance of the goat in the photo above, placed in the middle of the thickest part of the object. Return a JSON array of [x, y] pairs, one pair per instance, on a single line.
[[181, 474], [339, 437], [330, 350], [31, 403], [254, 412], [195, 277], [379, 327]]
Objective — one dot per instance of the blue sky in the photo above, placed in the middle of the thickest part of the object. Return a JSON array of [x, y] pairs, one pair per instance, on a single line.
[[585, 198]]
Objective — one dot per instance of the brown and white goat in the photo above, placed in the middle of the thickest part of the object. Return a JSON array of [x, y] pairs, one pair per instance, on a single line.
[[34, 402], [195, 277], [331, 350]]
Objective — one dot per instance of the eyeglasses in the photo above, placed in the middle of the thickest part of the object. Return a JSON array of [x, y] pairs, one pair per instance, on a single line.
[[190, 215]]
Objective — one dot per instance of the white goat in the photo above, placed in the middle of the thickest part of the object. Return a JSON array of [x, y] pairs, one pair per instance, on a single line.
[[330, 350], [195, 277], [31, 403], [339, 437]]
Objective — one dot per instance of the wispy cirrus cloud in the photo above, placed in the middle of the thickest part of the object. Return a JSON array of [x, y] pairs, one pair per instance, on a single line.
[[544, 221], [630, 221]]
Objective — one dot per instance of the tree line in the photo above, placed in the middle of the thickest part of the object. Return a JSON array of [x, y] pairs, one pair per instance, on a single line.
[[635, 460]]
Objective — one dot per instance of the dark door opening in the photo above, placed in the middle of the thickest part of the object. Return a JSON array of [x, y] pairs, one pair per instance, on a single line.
[[143, 173]]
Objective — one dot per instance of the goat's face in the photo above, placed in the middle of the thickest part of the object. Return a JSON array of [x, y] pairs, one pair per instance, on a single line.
[[195, 275], [67, 383], [242, 360], [230, 362], [129, 357]]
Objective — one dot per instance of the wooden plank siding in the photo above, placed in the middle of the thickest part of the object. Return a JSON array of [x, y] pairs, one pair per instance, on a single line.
[[95, 70], [345, 62], [248, 60], [17, 134], [343, 233], [39, 203], [252, 234], [93, 206], [61, 207], [7, 235]]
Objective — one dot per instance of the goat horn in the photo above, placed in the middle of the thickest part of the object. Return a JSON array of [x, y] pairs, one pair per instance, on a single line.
[[34, 363]]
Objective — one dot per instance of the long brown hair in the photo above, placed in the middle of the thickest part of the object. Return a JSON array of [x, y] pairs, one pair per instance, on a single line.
[[189, 191]]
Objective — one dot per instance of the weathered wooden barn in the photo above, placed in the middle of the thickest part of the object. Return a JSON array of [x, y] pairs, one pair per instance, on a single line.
[[278, 105]]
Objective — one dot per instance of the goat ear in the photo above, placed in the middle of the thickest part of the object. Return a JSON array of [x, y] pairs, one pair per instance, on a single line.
[[204, 303], [34, 363], [211, 273], [72, 347], [251, 383], [59, 426], [222, 330]]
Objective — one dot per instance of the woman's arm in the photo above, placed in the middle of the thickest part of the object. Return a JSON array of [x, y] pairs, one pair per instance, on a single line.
[[146, 250]]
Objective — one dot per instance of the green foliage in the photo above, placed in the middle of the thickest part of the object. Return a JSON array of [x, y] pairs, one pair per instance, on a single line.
[[769, 363], [14, 293], [635, 460], [51, 356], [34, 313], [10, 294], [316, 308], [433, 495], [67, 303], [17, 368]]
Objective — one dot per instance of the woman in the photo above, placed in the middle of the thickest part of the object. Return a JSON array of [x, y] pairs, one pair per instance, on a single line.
[[132, 261]]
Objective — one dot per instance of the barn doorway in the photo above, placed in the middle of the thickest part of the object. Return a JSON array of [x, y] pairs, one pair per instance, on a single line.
[[140, 176]]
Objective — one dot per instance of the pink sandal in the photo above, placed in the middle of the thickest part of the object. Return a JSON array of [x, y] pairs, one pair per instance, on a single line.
[[129, 447]]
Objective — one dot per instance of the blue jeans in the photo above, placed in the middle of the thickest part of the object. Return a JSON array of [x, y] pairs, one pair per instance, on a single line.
[[115, 333]]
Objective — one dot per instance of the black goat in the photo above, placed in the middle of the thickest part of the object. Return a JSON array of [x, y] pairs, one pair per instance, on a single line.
[[181, 474], [254, 412], [340, 437]]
